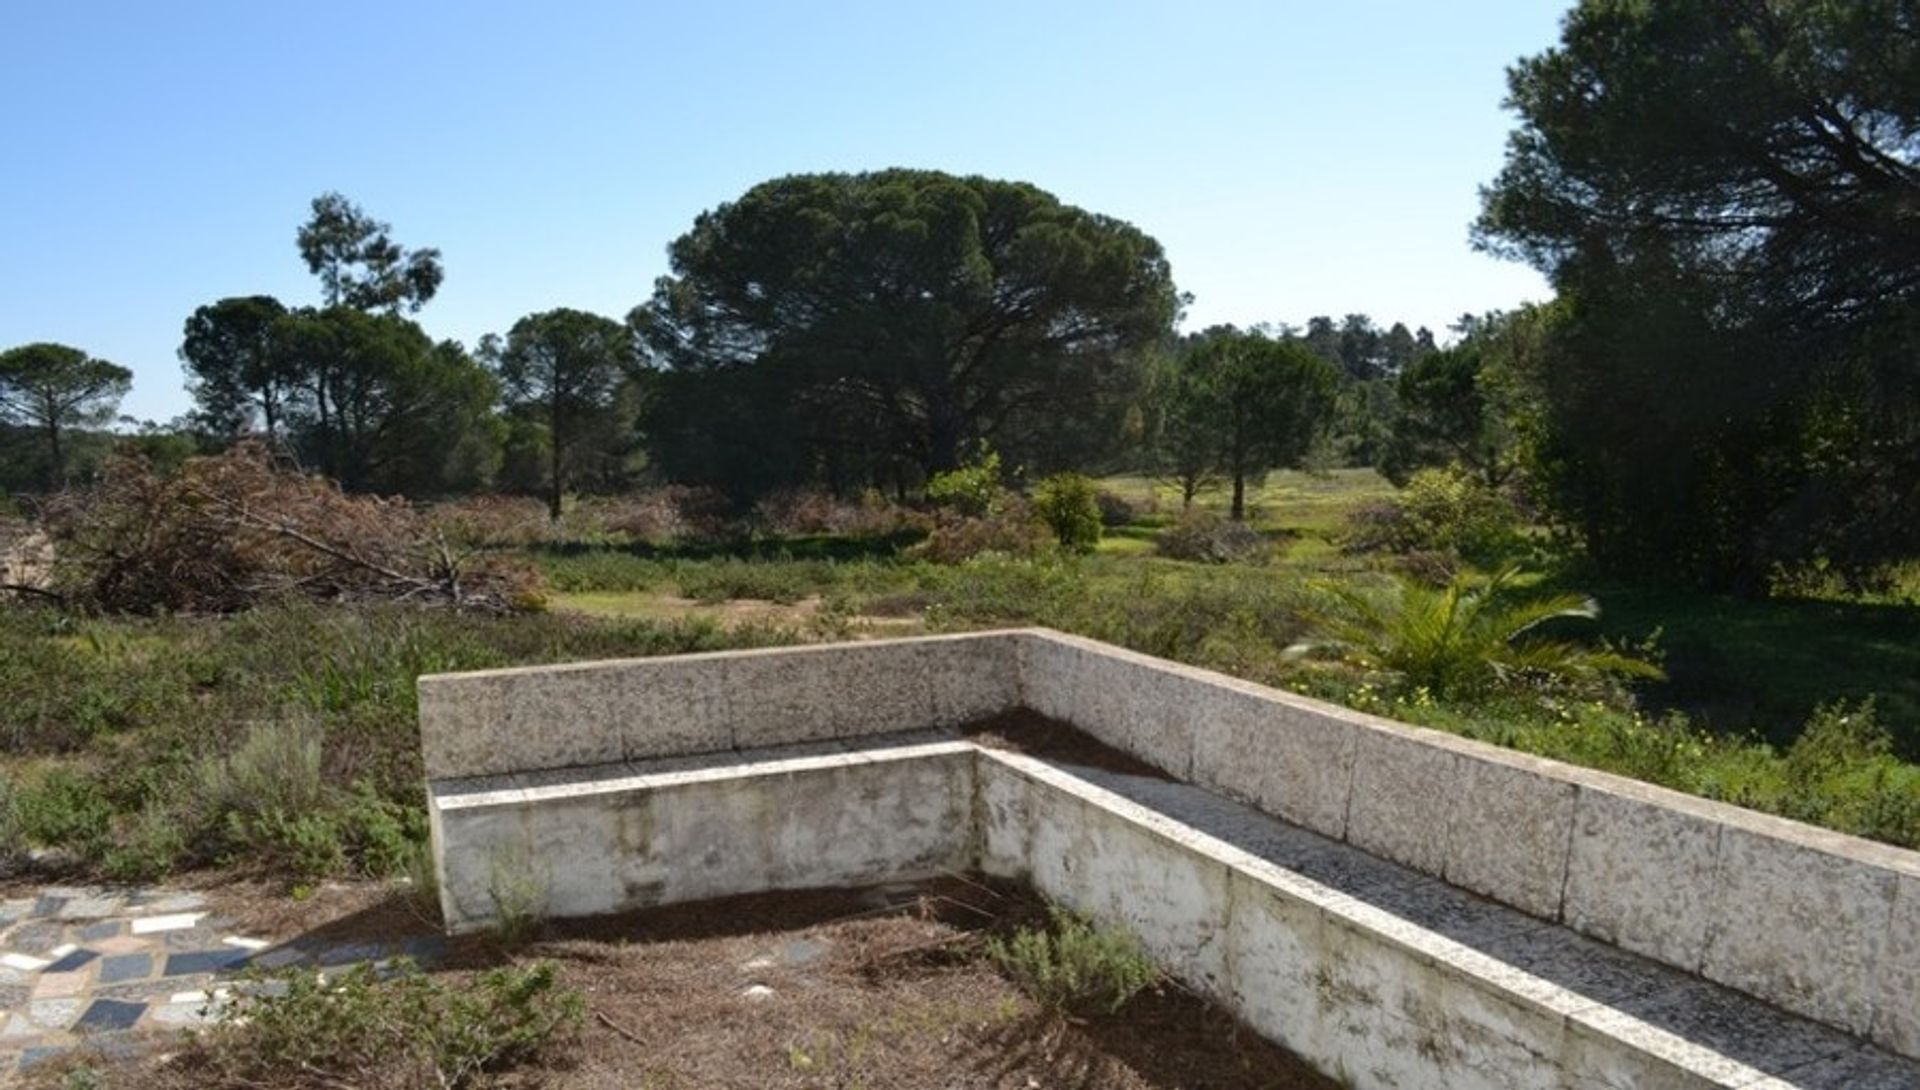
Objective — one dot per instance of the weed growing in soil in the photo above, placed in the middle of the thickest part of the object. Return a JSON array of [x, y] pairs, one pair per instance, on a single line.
[[1075, 966], [402, 1029]]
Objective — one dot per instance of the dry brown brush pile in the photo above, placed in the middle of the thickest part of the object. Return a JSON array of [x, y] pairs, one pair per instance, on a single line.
[[224, 533]]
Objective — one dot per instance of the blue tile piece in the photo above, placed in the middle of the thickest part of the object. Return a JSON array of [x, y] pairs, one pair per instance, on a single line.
[[47, 906], [425, 949], [204, 961], [109, 1014], [34, 1056], [73, 961], [105, 929], [344, 955], [121, 967]]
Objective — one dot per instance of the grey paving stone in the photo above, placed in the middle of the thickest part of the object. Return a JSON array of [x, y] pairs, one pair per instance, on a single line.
[[47, 906], [36, 938], [35, 1056], [124, 967], [105, 929], [53, 1013], [142, 990], [199, 937], [91, 908], [158, 903], [180, 1014]]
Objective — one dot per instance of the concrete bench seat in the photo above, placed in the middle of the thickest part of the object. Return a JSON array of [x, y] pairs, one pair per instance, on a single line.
[[1400, 907]]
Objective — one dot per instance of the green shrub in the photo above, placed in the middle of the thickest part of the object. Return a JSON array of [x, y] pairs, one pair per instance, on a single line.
[[974, 489], [1075, 966], [1069, 505], [1207, 538], [1445, 511], [13, 840], [276, 769], [69, 810], [148, 847], [1836, 739], [405, 1029], [1472, 638]]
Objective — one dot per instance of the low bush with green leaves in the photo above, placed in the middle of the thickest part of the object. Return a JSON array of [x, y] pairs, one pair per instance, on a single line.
[[1474, 637], [1075, 966], [399, 1028], [1068, 503], [1446, 512], [973, 490]]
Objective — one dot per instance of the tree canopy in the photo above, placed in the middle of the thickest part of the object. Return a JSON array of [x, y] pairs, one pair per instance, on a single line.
[[855, 327], [1238, 404], [53, 388], [1728, 199], [359, 264], [565, 371], [234, 371]]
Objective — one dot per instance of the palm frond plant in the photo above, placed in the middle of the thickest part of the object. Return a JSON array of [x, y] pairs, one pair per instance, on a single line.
[[1474, 637]]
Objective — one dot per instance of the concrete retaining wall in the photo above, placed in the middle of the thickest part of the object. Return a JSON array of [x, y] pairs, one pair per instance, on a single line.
[[622, 837], [1374, 975], [1817, 923]]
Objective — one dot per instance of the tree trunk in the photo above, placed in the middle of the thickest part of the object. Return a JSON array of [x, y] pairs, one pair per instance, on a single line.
[[1239, 495], [57, 463], [556, 486]]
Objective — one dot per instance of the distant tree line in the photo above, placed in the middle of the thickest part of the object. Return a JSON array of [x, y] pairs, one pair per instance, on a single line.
[[1726, 198]]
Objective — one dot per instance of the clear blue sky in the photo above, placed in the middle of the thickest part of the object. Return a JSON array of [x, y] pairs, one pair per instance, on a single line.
[[1295, 158]]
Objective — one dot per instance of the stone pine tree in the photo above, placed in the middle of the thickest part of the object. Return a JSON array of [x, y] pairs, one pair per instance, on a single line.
[[1727, 197], [833, 327], [1254, 402], [359, 264], [565, 369], [54, 388], [235, 371]]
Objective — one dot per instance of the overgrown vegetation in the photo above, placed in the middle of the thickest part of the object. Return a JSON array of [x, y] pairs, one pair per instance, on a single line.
[[284, 737], [399, 1028], [1075, 966]]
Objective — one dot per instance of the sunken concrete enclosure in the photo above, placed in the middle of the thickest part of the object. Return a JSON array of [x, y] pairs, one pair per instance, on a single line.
[[1398, 906]]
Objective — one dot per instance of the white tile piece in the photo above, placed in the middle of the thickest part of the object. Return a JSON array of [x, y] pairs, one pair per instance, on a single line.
[[246, 943], [23, 963], [177, 922], [62, 950]]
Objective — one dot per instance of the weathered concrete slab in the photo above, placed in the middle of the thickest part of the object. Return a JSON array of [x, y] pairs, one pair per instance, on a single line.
[[1804, 926], [1290, 761], [1404, 790], [1511, 823], [1896, 997], [1631, 852]]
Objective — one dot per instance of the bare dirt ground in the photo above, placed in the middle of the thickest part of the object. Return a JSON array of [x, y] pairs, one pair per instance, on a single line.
[[882, 989]]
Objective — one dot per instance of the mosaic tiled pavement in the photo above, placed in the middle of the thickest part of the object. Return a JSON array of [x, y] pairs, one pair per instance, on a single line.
[[114, 970]]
